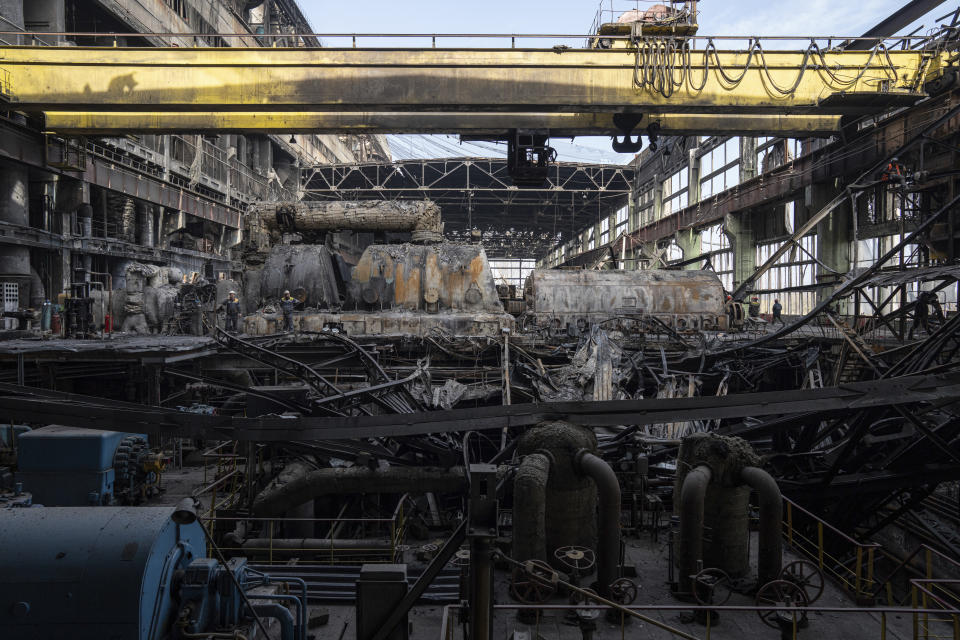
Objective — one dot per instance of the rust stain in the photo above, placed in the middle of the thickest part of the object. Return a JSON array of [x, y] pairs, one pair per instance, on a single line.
[[476, 269], [361, 273], [399, 285]]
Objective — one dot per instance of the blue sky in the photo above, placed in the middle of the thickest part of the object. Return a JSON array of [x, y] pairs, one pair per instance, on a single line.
[[717, 17]]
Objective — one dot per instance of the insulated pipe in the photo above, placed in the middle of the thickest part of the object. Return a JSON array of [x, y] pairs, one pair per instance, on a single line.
[[421, 217], [529, 508], [278, 499], [690, 546], [281, 614], [608, 492], [770, 546]]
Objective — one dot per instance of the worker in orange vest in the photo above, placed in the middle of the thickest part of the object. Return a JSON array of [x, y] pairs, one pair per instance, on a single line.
[[895, 172]]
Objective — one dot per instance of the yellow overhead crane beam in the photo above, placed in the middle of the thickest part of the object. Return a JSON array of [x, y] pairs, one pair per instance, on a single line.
[[665, 78], [475, 125]]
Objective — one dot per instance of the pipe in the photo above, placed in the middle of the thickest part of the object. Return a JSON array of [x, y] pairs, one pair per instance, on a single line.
[[318, 545], [278, 499], [300, 604], [770, 545], [608, 492], [690, 546], [281, 614], [529, 502], [421, 217]]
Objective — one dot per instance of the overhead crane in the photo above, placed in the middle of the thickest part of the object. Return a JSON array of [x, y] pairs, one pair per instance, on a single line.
[[468, 125], [662, 85], [641, 79]]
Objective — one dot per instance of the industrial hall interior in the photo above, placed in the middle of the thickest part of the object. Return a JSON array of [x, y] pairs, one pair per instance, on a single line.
[[549, 320]]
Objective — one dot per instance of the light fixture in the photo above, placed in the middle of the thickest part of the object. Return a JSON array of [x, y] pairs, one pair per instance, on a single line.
[[293, 139]]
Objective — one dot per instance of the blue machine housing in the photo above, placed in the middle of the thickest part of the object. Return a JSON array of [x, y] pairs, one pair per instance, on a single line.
[[68, 466], [92, 573]]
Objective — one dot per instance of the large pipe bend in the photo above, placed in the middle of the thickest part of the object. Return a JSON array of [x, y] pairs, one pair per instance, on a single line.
[[770, 544], [608, 492], [690, 545], [279, 613]]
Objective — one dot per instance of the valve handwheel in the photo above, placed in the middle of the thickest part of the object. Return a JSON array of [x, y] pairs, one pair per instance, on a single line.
[[805, 575], [780, 593], [579, 559], [711, 587], [534, 583], [624, 591], [461, 558]]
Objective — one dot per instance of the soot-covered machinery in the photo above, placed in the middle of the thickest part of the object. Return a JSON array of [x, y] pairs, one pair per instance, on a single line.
[[138, 573], [398, 289], [71, 467], [567, 301]]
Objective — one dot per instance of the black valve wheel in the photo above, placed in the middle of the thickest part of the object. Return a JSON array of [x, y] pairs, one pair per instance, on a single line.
[[780, 593], [579, 559], [711, 587], [805, 575], [534, 583], [624, 591], [461, 558]]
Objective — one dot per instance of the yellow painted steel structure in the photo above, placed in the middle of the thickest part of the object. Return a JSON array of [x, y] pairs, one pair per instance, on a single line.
[[642, 79], [466, 124]]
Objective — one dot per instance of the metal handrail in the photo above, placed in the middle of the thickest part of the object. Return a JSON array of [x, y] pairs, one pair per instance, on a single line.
[[522, 36], [448, 626], [860, 578]]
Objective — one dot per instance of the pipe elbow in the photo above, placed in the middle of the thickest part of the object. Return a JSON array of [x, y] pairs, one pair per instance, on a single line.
[[608, 490], [760, 480], [770, 545], [695, 484], [279, 613]]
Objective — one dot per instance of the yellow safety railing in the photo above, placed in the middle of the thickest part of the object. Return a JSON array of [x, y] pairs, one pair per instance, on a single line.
[[223, 478], [937, 604], [849, 561]]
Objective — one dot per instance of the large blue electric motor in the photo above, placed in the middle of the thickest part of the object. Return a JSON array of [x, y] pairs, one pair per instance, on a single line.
[[72, 467], [124, 573]]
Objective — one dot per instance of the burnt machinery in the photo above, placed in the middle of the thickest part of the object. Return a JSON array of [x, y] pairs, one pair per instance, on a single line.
[[624, 300]]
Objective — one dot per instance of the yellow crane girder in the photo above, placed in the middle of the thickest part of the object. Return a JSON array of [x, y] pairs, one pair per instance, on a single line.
[[476, 125], [464, 80]]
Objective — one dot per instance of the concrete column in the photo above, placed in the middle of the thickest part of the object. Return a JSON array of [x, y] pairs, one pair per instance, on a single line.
[[14, 208], [657, 196], [46, 16], [748, 158], [739, 228], [693, 176], [689, 242], [85, 218], [128, 221], [834, 237], [145, 224]]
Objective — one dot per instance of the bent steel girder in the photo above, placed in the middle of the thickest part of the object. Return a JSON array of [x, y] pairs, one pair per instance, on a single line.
[[51, 407], [438, 80], [473, 126]]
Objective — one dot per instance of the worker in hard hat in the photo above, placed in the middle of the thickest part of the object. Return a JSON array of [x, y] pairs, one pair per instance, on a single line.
[[232, 307], [754, 307], [287, 302], [894, 172]]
